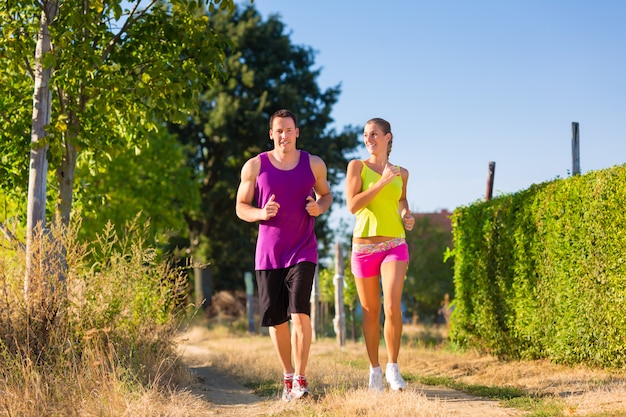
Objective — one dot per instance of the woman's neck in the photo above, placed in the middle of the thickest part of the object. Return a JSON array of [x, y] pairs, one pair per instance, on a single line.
[[376, 161]]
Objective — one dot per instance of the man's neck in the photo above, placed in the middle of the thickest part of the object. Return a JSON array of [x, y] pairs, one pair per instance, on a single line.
[[285, 159]]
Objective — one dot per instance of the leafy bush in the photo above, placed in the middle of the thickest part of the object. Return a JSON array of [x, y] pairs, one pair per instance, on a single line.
[[541, 273]]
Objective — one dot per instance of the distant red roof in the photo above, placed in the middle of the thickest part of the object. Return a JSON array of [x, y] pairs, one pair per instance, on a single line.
[[441, 218]]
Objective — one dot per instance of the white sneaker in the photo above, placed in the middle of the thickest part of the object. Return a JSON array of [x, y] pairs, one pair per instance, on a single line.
[[376, 380], [392, 374], [300, 388], [287, 389]]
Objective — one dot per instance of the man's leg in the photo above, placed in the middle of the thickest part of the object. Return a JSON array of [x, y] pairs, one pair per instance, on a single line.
[[281, 339], [301, 336]]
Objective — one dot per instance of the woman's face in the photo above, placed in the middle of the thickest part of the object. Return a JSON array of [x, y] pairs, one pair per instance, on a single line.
[[375, 140]]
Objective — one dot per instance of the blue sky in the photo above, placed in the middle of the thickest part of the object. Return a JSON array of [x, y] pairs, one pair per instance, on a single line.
[[464, 83]]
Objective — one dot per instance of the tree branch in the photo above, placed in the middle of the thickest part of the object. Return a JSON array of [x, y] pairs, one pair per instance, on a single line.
[[130, 20], [11, 237]]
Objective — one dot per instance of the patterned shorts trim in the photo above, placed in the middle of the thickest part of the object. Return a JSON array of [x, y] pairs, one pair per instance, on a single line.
[[365, 248]]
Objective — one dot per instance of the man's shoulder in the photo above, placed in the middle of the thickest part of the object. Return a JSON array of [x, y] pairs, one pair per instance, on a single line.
[[253, 165], [316, 162], [315, 158]]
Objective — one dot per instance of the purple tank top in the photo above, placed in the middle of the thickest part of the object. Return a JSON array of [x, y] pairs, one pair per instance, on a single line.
[[289, 237]]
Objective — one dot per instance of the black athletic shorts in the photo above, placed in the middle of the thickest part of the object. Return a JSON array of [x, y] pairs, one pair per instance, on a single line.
[[284, 291]]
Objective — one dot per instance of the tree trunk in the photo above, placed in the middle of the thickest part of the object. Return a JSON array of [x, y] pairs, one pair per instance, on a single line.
[[65, 180], [36, 209]]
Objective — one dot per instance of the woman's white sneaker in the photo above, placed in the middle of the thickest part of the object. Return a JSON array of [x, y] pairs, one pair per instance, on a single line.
[[376, 380], [392, 374]]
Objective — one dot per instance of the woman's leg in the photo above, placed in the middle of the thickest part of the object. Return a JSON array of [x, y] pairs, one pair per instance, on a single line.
[[393, 273], [369, 296]]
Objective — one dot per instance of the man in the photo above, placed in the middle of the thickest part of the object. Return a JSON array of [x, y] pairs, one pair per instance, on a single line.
[[284, 189]]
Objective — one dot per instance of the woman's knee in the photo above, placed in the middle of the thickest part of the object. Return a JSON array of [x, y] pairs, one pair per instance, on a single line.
[[371, 313], [393, 310]]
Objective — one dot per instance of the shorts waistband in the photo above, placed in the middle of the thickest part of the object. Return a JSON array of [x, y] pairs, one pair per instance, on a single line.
[[365, 248]]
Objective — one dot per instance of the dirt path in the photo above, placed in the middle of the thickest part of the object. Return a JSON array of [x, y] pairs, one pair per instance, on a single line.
[[227, 397]]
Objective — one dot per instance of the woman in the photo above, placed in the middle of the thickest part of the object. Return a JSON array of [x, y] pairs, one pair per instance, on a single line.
[[376, 193]]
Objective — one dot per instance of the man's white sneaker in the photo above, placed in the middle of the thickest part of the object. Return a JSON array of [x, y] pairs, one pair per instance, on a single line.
[[376, 381], [287, 390], [396, 383]]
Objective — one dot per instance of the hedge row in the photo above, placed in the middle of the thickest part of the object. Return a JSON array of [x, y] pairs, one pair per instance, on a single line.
[[542, 273]]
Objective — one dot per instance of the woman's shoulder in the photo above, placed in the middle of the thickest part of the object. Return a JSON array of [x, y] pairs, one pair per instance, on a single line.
[[355, 163], [355, 166]]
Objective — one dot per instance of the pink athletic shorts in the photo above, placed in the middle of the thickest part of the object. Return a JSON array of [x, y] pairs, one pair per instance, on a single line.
[[368, 258]]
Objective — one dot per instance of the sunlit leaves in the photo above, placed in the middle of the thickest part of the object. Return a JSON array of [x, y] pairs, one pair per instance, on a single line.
[[110, 68], [540, 273]]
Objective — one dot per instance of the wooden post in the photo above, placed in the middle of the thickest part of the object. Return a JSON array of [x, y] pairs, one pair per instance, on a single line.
[[247, 276], [492, 172], [575, 149], [197, 288], [315, 305], [203, 286], [339, 322]]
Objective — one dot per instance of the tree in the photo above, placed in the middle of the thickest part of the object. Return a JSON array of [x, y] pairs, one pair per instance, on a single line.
[[114, 73], [266, 72], [152, 182]]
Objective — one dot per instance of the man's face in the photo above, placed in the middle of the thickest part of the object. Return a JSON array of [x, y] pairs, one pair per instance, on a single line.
[[284, 132]]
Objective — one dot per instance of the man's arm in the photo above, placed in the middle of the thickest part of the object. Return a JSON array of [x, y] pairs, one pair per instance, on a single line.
[[245, 194], [321, 187]]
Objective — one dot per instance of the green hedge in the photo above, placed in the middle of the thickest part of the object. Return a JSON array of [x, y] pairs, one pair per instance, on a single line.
[[541, 273]]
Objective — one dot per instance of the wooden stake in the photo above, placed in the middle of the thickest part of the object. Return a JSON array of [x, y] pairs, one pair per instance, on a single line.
[[490, 177], [339, 322], [575, 149]]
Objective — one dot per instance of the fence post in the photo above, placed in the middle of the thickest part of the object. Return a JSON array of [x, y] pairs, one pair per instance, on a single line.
[[203, 287], [492, 172], [575, 149], [339, 322], [315, 297], [247, 276]]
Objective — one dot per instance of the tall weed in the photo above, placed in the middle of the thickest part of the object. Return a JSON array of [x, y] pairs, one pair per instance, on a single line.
[[96, 328]]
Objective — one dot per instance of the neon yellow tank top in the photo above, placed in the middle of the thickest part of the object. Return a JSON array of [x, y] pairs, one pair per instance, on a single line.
[[380, 217]]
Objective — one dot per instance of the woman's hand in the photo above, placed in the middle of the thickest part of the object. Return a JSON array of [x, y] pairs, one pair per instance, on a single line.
[[389, 173], [407, 219]]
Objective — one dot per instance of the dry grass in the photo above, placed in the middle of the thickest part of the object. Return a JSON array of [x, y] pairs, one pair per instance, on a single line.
[[338, 376], [100, 345]]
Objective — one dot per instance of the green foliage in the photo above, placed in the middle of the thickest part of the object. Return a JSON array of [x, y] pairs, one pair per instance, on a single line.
[[327, 297], [117, 73], [16, 97], [153, 181], [264, 72], [140, 288], [540, 273], [429, 276], [327, 283]]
